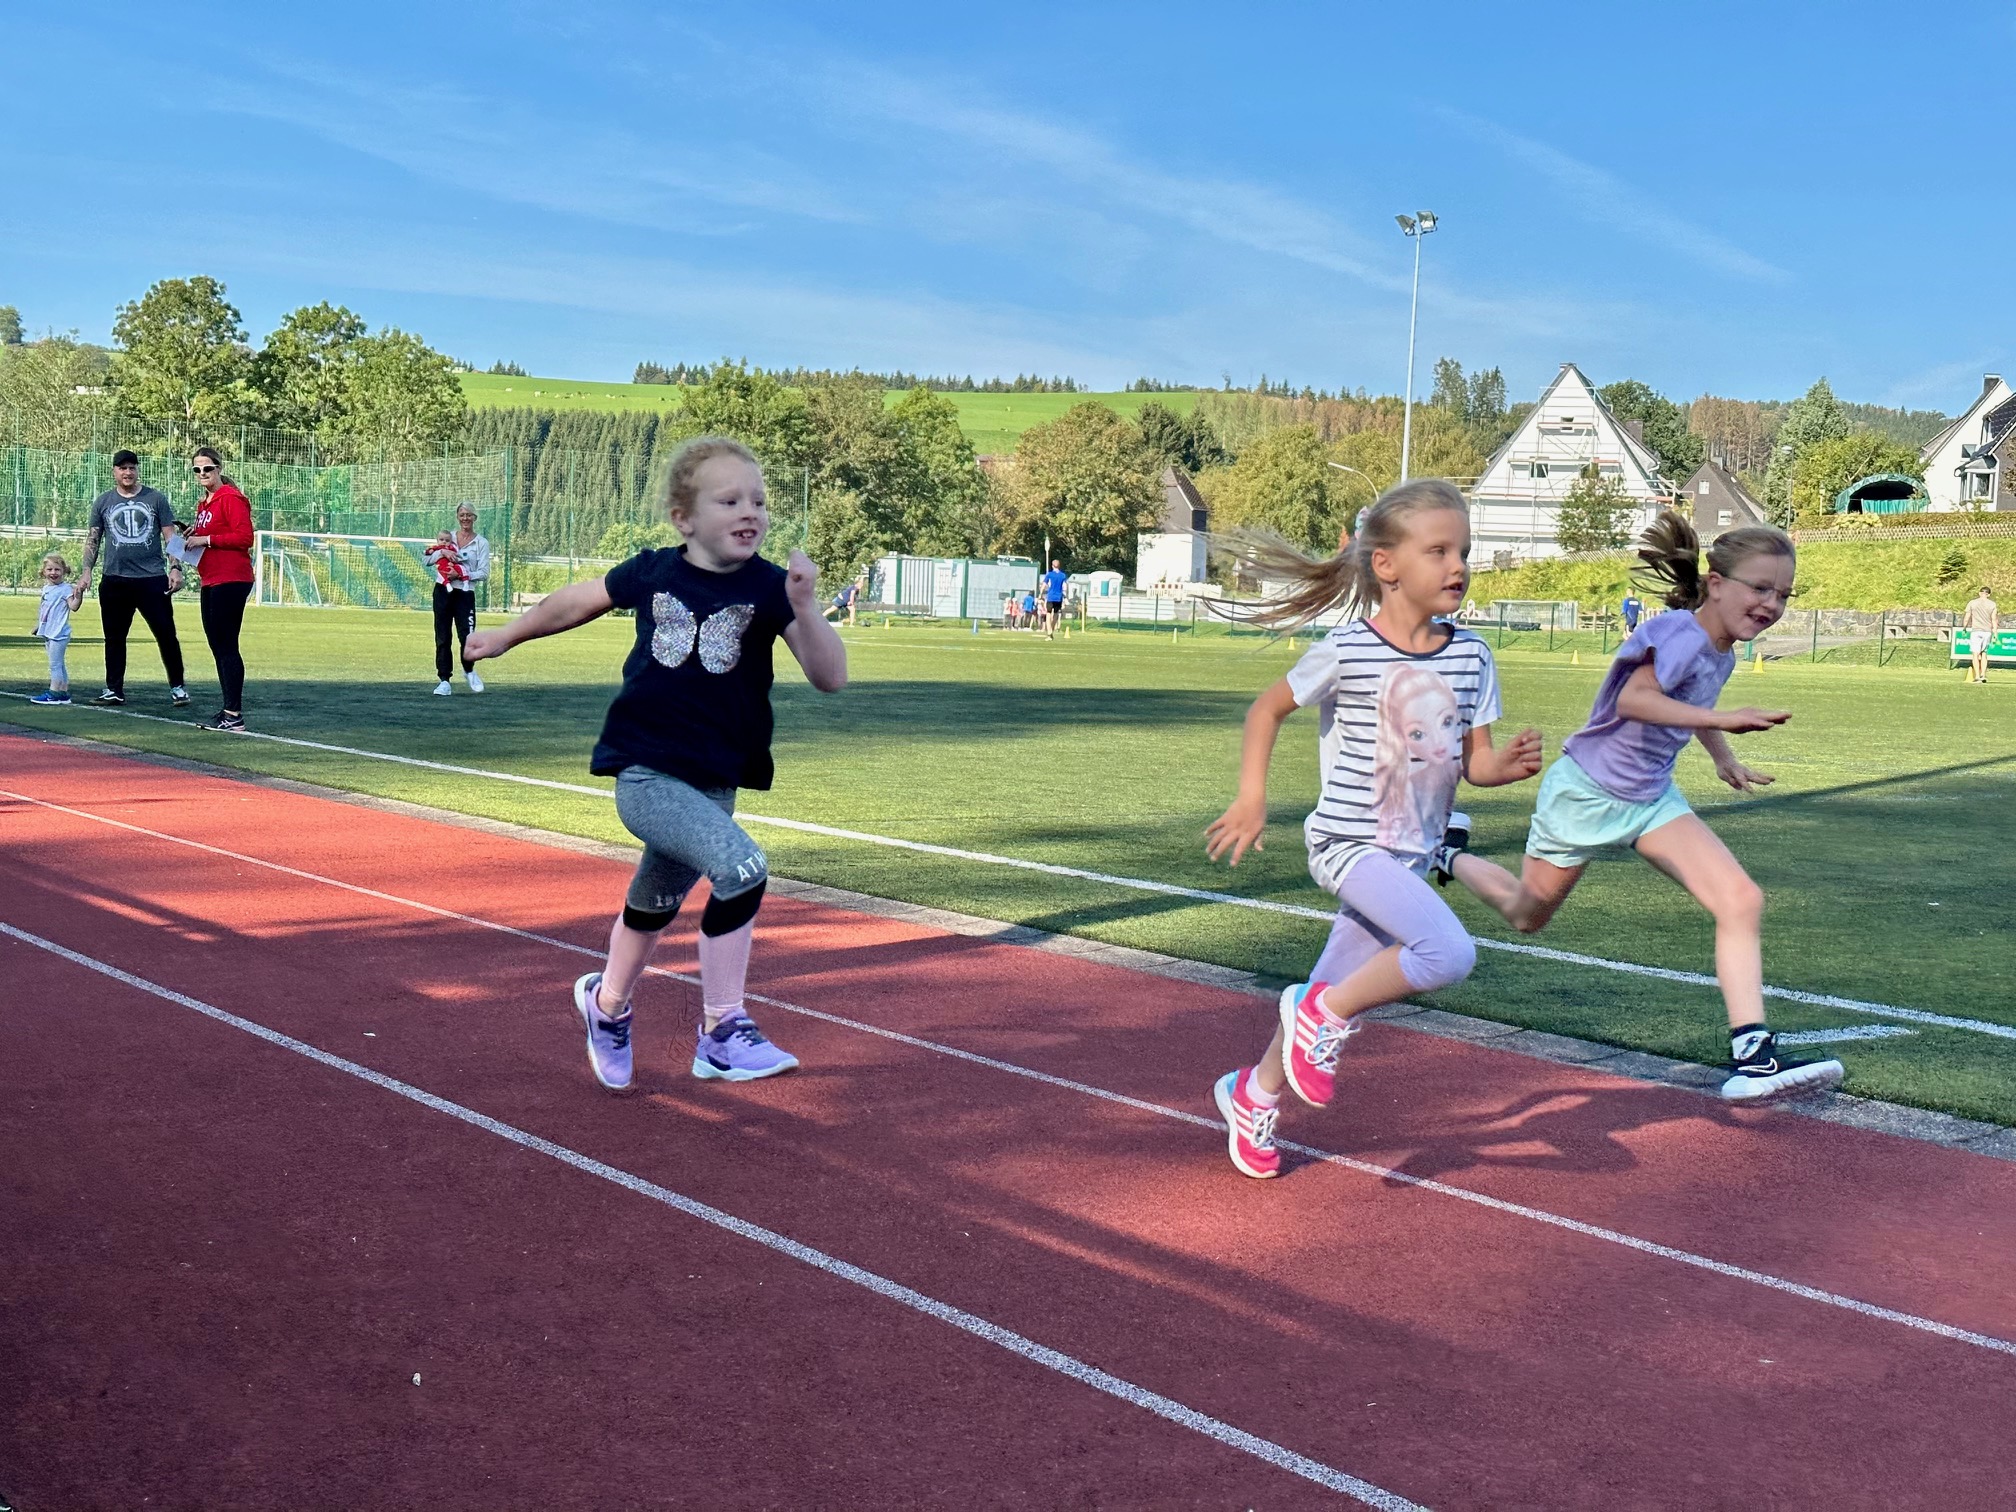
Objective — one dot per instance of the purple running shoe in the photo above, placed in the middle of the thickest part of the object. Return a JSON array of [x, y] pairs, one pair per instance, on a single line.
[[608, 1039], [736, 1050]]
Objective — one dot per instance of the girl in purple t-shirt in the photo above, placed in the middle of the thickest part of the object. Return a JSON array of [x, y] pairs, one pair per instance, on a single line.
[[1613, 786]]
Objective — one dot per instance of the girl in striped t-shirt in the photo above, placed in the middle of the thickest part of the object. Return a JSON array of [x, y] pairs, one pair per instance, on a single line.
[[1406, 703]]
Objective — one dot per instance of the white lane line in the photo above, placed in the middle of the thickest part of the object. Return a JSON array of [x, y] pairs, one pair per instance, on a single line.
[[1136, 884], [1366, 1167], [1843, 1035], [1327, 1476]]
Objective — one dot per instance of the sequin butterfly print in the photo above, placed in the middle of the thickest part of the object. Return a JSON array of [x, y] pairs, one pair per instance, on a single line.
[[720, 637]]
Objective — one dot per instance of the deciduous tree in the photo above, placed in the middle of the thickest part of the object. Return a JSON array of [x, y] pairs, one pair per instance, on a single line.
[[10, 326], [1284, 483], [1809, 420], [1595, 514], [1664, 423], [182, 356], [1823, 468], [400, 397], [302, 372], [1087, 481]]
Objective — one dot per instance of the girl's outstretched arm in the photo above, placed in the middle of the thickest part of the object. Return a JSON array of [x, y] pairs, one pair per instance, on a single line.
[[1240, 826], [1484, 765], [1641, 699], [1727, 767], [810, 635], [563, 609]]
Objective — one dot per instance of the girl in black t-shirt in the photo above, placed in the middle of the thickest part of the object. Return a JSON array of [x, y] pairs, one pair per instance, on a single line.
[[689, 727]]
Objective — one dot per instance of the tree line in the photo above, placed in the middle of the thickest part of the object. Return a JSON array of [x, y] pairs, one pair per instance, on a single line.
[[872, 476], [182, 361], [802, 377]]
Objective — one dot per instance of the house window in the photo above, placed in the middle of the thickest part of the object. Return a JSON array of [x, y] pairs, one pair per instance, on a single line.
[[1978, 485], [1725, 517], [1703, 488], [1536, 469]]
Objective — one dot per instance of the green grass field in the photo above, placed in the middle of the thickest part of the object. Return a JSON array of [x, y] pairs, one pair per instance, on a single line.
[[991, 421], [1885, 846]]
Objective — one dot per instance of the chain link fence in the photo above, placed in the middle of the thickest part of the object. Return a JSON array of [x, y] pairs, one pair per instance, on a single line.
[[352, 532]]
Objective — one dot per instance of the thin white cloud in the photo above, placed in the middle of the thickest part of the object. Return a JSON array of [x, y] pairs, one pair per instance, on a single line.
[[1608, 201], [494, 148]]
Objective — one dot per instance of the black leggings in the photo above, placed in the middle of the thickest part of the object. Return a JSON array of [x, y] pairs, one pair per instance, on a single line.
[[223, 614], [118, 597], [454, 613]]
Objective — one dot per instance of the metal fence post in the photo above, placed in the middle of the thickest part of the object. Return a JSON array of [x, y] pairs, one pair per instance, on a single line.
[[1816, 637], [1882, 638]]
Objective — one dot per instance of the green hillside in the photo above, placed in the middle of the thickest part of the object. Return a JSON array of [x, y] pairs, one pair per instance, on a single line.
[[991, 421], [1858, 574]]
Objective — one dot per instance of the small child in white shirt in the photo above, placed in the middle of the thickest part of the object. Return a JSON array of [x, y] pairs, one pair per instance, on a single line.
[[52, 623]]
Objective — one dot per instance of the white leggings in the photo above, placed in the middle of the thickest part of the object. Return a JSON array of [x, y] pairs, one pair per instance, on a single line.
[[1381, 904], [59, 674]]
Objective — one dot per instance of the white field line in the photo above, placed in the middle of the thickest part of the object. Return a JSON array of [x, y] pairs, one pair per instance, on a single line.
[[1843, 1035], [1085, 1089], [1138, 884], [1175, 1412]]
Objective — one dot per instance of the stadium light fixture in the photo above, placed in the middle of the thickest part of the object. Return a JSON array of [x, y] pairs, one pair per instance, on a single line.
[[1417, 226]]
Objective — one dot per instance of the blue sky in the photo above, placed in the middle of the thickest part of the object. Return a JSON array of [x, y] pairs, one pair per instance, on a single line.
[[1724, 198]]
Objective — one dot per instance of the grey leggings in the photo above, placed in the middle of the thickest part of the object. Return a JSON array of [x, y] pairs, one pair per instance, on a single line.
[[58, 672], [688, 833], [1381, 904]]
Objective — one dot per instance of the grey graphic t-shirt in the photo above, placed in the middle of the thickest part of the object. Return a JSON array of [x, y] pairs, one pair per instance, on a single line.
[[130, 546]]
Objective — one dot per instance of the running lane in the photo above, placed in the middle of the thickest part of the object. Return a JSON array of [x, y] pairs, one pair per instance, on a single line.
[[1449, 1353]]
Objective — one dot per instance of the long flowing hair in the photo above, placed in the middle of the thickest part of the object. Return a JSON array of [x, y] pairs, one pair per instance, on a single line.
[[1317, 586], [1671, 552]]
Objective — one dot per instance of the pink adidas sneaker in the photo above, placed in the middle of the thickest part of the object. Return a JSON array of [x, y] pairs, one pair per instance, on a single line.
[[1310, 1042], [1249, 1128]]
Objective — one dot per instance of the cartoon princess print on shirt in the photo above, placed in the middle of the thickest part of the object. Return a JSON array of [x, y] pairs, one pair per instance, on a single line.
[[1417, 758]]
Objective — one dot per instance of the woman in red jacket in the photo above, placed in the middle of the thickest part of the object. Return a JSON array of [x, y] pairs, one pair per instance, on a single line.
[[223, 530]]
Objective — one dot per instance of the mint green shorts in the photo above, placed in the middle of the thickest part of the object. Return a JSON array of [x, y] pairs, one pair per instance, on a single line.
[[1575, 820]]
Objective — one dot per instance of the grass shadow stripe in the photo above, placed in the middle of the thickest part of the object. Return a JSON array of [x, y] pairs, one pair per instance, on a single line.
[[1138, 884]]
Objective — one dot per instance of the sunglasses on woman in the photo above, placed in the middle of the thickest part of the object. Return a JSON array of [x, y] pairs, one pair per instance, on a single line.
[[202, 470]]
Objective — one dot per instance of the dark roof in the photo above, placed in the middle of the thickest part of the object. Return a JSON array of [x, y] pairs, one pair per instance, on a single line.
[[1181, 503], [1725, 490]]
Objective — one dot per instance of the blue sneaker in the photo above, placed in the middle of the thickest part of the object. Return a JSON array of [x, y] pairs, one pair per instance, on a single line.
[[50, 698], [735, 1050], [608, 1039]]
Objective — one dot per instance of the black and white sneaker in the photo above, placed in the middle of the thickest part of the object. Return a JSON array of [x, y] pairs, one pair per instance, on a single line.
[[179, 697], [224, 721], [110, 699], [1455, 840], [1761, 1075]]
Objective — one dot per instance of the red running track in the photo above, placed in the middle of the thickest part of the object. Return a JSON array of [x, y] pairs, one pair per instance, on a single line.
[[227, 1262]]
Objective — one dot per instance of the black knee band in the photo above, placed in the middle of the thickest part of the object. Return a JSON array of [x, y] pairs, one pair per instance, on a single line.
[[646, 922], [726, 915]]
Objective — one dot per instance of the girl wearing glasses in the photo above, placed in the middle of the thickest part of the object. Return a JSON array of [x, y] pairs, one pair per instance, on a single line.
[[1613, 786], [222, 531]]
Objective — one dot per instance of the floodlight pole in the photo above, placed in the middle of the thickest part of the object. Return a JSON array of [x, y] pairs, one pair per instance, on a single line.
[[1416, 226]]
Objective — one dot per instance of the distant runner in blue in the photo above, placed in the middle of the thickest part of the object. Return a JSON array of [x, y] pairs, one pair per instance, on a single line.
[[1053, 596], [1633, 608]]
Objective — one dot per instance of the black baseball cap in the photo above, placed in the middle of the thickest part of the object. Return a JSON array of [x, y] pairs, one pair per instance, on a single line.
[[125, 459]]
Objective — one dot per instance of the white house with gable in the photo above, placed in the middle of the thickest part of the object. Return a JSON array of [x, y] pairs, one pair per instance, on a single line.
[[1514, 505], [1961, 470]]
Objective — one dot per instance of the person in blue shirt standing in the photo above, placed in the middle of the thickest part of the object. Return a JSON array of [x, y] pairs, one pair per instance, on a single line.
[[1053, 597], [1633, 607]]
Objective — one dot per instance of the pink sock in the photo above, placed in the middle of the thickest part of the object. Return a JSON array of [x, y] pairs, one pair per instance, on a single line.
[[724, 968], [1258, 1093]]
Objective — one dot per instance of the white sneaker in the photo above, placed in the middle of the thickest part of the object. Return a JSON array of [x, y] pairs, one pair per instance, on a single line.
[[475, 681], [443, 688]]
